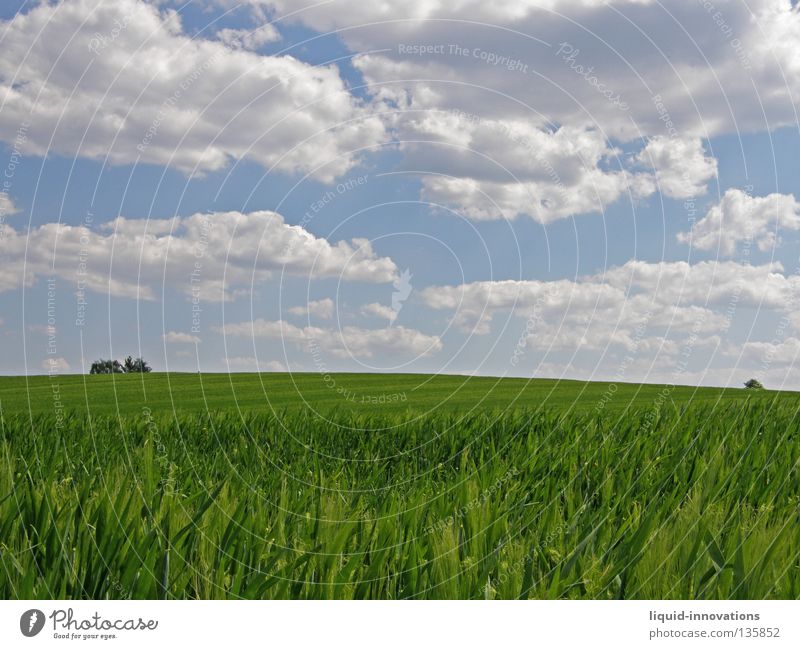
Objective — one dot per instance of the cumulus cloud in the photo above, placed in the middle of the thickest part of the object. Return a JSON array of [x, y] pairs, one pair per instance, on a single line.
[[46, 330], [739, 217], [686, 81], [774, 362], [181, 337], [495, 168], [254, 364], [681, 167], [332, 15], [7, 207], [55, 364], [122, 82], [249, 39], [349, 342], [319, 308], [210, 253], [378, 310], [698, 69], [776, 352], [718, 283], [638, 306], [683, 72]]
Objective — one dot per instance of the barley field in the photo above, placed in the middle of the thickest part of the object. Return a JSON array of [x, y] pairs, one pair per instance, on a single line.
[[189, 393], [665, 499]]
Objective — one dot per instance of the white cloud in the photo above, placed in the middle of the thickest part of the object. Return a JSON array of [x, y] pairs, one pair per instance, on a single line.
[[254, 364], [502, 168], [775, 363], [739, 217], [709, 298], [778, 353], [181, 337], [707, 87], [41, 329], [684, 72], [320, 308], [261, 328], [55, 364], [349, 342], [475, 304], [327, 16], [638, 307], [121, 81], [367, 343], [133, 257], [715, 70], [717, 283], [271, 366], [682, 169], [379, 310], [249, 39], [7, 207]]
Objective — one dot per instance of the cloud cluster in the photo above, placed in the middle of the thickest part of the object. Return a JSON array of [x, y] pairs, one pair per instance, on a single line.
[[683, 72], [214, 254], [323, 308], [741, 218], [55, 365], [7, 207], [253, 364], [378, 310], [636, 307], [502, 168], [492, 168], [248, 39], [181, 337], [128, 74], [537, 108], [713, 67], [348, 342], [122, 82], [682, 169]]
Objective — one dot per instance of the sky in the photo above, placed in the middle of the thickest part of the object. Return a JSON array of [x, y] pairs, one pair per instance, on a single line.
[[537, 188]]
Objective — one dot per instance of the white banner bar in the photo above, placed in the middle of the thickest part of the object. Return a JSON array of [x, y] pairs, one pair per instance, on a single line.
[[371, 624]]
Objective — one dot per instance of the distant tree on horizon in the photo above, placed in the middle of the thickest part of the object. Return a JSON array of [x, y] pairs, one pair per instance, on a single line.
[[753, 384], [103, 366], [129, 366], [138, 365]]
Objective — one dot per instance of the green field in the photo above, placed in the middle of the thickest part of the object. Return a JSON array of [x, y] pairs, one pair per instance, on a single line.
[[353, 393], [212, 486]]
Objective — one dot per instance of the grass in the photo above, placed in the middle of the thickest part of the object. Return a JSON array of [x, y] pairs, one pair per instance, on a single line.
[[666, 498], [353, 393]]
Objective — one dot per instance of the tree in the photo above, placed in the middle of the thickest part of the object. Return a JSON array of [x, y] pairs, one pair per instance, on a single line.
[[139, 365], [753, 384], [129, 366], [106, 367]]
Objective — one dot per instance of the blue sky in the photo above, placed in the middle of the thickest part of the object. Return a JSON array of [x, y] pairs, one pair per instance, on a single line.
[[305, 161]]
